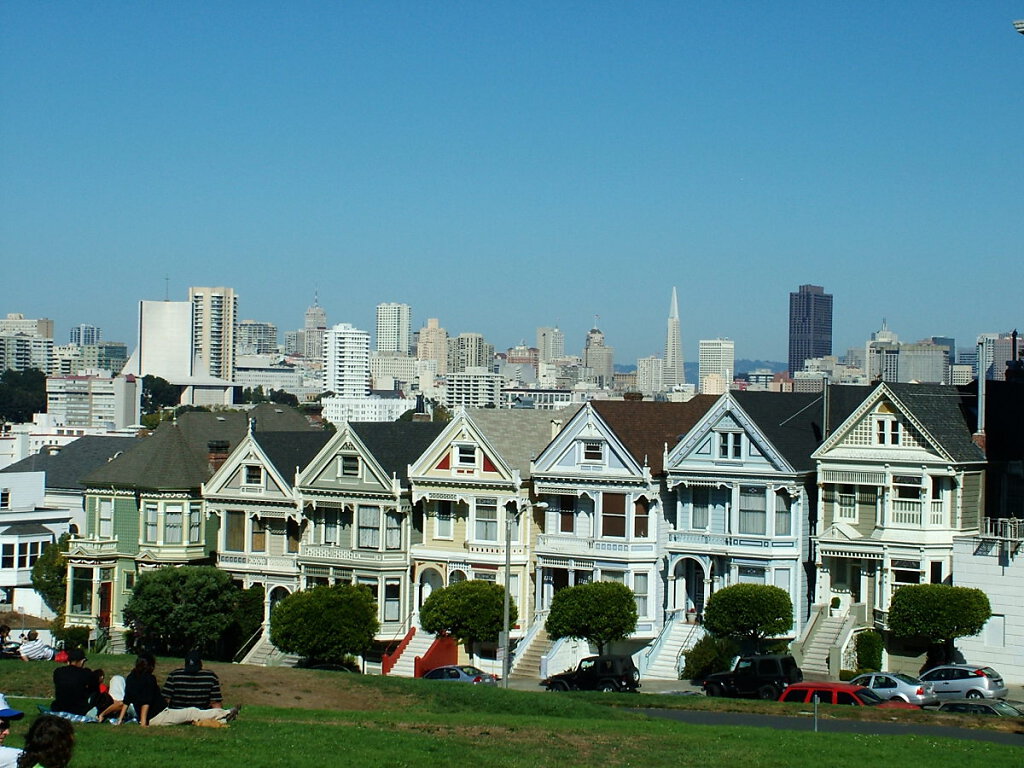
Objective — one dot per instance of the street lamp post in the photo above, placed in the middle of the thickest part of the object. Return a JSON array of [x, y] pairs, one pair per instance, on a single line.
[[513, 511]]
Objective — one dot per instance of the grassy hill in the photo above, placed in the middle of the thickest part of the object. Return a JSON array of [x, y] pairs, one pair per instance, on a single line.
[[318, 718]]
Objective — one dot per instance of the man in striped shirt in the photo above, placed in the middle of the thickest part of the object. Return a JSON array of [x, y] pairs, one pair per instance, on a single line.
[[193, 686]]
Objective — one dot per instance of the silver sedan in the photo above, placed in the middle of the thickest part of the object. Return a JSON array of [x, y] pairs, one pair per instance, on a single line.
[[895, 686]]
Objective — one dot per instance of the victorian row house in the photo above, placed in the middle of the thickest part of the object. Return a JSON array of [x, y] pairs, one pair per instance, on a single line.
[[837, 497]]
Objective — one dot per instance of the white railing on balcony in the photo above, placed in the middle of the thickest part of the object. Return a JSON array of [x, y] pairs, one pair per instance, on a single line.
[[343, 554], [95, 546], [906, 512], [938, 514], [288, 563], [710, 539], [572, 545], [491, 548], [175, 552]]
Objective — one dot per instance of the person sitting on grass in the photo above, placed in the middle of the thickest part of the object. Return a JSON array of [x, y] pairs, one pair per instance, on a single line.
[[115, 692], [8, 755], [8, 648], [48, 744], [34, 649], [142, 692], [74, 685]]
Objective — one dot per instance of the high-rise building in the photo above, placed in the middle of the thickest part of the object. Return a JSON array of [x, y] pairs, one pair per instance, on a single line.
[[433, 345], [650, 372], [469, 350], [214, 313], [347, 361], [253, 338], [995, 350], [810, 325], [674, 374], [20, 352], [84, 334], [550, 344], [394, 328], [165, 341], [599, 358], [93, 400], [313, 332], [15, 322], [716, 364]]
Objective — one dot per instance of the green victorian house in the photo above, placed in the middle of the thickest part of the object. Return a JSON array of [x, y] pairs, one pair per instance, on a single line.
[[144, 509]]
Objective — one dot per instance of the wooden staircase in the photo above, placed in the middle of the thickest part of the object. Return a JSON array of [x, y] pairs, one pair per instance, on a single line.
[[816, 650], [526, 664]]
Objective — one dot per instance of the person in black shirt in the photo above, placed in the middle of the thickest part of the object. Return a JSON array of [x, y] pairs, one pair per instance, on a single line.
[[73, 685], [142, 692]]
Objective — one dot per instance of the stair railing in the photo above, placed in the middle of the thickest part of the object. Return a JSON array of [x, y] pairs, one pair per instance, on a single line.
[[644, 658], [248, 645], [517, 653]]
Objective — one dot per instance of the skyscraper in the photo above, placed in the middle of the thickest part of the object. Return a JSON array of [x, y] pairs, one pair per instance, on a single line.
[[394, 329], [550, 344], [674, 374], [433, 344], [255, 338], [214, 314], [717, 365], [313, 332], [347, 361], [84, 335], [598, 357], [810, 325]]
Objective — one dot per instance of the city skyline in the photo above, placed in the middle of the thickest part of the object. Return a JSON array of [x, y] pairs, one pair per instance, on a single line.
[[505, 168]]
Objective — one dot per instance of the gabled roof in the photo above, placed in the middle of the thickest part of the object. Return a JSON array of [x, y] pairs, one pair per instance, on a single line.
[[645, 427], [940, 410], [396, 444], [519, 435], [65, 468], [290, 450], [794, 422], [176, 455]]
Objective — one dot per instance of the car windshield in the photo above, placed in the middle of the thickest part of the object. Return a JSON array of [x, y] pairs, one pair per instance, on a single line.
[[1005, 709], [906, 679], [869, 697], [988, 672], [471, 671]]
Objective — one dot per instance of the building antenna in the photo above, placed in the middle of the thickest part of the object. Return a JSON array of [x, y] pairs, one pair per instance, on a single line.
[[167, 288]]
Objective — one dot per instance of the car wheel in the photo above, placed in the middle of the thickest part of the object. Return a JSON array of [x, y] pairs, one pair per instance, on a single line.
[[608, 687], [767, 693], [974, 695], [558, 686], [899, 698], [713, 689]]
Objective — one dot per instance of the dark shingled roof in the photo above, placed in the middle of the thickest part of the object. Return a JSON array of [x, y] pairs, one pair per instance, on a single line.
[[940, 410], [646, 426], [520, 435], [288, 450], [26, 529], [397, 444], [794, 422], [65, 468], [176, 456]]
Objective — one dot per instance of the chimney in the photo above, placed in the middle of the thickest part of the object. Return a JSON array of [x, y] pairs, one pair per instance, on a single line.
[[217, 453], [421, 417], [633, 397]]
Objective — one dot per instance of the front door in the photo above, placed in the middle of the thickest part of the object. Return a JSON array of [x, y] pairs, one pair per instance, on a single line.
[[106, 591]]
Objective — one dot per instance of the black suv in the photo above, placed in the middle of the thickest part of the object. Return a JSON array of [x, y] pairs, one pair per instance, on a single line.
[[597, 673], [762, 677]]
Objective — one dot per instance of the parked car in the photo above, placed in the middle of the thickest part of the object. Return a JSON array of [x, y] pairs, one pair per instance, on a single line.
[[597, 673], [461, 673], [995, 708], [896, 685], [763, 677], [966, 681], [840, 693]]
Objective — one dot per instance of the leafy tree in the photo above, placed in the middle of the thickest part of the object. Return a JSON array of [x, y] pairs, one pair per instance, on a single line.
[[709, 654], [22, 394], [325, 623], [749, 611], [937, 614], [158, 393], [281, 397], [600, 612], [869, 647], [469, 611], [50, 574], [177, 609]]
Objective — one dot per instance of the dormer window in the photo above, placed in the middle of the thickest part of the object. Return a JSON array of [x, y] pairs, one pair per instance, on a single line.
[[593, 451], [253, 474], [465, 455], [887, 430], [730, 445], [349, 466]]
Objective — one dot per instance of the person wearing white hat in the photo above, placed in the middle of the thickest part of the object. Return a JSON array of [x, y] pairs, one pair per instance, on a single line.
[[8, 755]]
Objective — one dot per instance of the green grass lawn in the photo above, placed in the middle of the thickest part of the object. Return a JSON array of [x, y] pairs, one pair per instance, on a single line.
[[423, 724]]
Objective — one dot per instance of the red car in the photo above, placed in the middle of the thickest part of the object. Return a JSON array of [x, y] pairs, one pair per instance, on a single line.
[[840, 693]]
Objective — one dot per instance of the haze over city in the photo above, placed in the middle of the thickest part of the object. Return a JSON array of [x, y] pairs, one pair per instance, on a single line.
[[502, 168]]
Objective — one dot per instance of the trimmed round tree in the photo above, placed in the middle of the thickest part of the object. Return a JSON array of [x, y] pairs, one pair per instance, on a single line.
[[178, 609], [749, 611], [601, 613], [325, 623], [468, 611], [936, 615]]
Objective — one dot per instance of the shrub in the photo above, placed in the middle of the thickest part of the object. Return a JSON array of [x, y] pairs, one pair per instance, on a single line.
[[710, 654], [601, 612], [70, 637], [869, 650], [324, 623], [751, 611], [469, 611]]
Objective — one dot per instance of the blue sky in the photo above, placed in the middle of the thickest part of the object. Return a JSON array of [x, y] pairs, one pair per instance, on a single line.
[[504, 166]]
